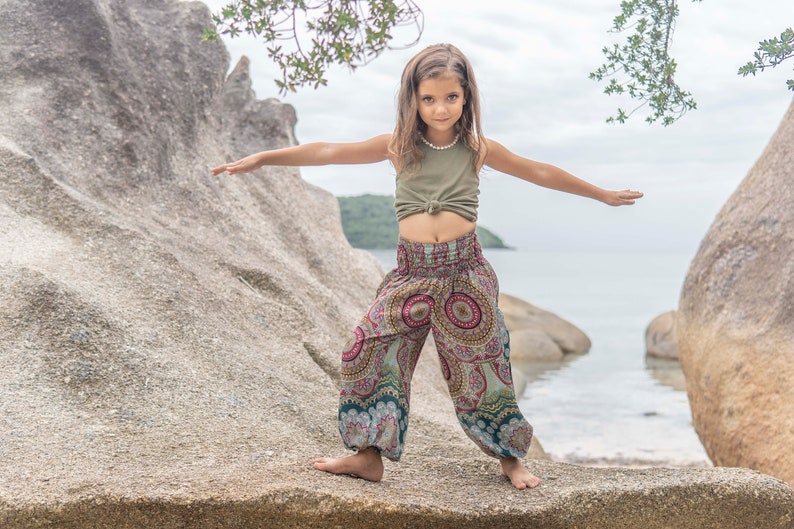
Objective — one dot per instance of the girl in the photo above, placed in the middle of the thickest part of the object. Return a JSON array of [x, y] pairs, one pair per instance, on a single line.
[[442, 282]]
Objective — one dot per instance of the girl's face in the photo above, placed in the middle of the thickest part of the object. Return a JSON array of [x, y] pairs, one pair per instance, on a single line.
[[440, 102]]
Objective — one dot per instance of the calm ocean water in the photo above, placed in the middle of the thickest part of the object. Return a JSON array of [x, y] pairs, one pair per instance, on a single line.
[[610, 405]]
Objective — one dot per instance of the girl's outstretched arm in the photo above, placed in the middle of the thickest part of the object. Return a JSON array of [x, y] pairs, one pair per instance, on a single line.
[[500, 158], [370, 151]]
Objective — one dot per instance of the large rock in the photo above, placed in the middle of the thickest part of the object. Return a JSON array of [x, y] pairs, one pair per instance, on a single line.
[[736, 320], [152, 317], [169, 341]]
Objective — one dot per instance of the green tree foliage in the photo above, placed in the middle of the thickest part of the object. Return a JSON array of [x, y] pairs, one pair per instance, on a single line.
[[369, 222], [645, 61], [771, 52], [643, 68], [305, 37]]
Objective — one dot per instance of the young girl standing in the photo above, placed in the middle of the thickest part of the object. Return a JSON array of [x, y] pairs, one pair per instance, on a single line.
[[442, 281]]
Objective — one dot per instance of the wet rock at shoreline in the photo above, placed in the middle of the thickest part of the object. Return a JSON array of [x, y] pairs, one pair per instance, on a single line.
[[537, 334], [660, 340]]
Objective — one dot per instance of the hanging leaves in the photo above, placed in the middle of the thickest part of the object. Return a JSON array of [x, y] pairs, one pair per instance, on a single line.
[[771, 52], [642, 67], [304, 37]]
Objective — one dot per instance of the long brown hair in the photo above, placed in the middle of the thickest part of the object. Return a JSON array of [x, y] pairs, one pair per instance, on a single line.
[[432, 62]]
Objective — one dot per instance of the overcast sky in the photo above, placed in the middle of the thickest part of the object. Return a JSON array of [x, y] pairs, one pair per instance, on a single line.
[[532, 60]]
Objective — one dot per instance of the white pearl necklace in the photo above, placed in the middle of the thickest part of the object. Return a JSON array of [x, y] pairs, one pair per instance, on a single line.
[[436, 147]]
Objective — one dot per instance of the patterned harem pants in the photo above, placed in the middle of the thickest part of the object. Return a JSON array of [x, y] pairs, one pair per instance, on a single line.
[[451, 289]]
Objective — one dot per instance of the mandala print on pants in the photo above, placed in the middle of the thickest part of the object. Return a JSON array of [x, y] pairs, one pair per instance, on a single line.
[[451, 289]]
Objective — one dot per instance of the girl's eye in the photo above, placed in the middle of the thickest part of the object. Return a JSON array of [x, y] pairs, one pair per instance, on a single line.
[[427, 99], [453, 97]]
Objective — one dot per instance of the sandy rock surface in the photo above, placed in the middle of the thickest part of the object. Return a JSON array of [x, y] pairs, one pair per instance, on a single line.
[[425, 490]]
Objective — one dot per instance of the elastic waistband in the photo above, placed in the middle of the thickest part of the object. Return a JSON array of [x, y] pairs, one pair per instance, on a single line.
[[411, 254]]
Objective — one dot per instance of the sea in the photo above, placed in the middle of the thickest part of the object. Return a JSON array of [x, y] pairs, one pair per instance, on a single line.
[[610, 406]]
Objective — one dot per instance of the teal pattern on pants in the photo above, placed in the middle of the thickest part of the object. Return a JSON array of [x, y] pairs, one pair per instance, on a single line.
[[450, 289]]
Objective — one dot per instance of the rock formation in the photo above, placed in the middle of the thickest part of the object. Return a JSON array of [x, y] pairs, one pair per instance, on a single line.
[[537, 334], [736, 320], [660, 340], [169, 340]]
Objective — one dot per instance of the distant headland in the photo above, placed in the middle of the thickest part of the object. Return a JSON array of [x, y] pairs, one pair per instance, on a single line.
[[369, 222]]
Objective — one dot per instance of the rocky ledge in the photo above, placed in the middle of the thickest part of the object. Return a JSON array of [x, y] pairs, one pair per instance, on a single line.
[[425, 491]]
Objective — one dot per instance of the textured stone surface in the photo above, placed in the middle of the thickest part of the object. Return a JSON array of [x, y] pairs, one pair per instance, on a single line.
[[169, 341], [531, 344], [736, 320], [660, 340], [440, 492]]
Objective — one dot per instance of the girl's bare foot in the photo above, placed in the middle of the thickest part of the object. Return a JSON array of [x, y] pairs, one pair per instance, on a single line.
[[366, 464], [519, 476]]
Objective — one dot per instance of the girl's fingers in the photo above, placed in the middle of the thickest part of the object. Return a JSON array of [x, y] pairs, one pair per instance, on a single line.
[[229, 168], [630, 195], [626, 197]]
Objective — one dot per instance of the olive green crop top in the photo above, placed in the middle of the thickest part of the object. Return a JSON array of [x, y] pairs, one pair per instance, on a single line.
[[446, 181]]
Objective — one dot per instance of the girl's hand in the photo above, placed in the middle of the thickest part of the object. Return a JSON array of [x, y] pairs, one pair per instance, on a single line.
[[245, 165], [621, 198]]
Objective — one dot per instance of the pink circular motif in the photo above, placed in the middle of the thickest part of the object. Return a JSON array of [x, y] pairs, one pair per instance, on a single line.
[[358, 341], [466, 316], [463, 311], [417, 310]]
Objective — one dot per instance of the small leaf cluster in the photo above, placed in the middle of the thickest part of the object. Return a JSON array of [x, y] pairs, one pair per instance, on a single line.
[[305, 37], [771, 52], [642, 66]]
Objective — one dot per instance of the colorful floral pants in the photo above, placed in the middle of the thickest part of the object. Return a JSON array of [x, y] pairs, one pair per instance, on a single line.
[[451, 289]]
